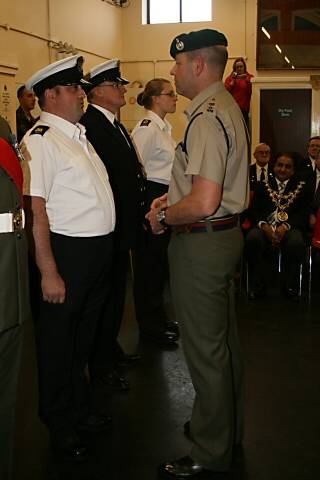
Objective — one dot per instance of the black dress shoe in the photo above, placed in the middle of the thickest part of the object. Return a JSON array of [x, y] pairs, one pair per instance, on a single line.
[[173, 326], [161, 338], [114, 381], [292, 294], [256, 294], [184, 467], [127, 361], [95, 424], [69, 446]]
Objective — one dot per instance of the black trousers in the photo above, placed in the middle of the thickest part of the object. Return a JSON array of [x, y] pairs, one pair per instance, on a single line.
[[151, 270], [65, 332], [293, 249], [106, 350]]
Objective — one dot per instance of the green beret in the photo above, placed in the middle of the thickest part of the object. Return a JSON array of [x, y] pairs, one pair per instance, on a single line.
[[186, 42]]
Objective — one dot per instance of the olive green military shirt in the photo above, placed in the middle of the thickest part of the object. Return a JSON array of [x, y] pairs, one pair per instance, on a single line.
[[210, 154]]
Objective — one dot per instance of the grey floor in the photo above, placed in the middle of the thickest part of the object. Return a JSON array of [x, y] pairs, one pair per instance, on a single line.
[[281, 345]]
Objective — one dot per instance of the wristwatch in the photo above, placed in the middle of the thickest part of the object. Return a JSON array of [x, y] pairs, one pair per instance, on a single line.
[[161, 217]]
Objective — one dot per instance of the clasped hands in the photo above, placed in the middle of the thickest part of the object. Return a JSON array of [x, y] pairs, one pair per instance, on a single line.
[[157, 205], [275, 235]]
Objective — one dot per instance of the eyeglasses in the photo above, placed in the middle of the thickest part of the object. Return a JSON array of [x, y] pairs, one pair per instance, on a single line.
[[264, 152], [112, 84], [170, 94]]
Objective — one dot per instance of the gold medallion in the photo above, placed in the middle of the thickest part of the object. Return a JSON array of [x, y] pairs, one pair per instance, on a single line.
[[282, 216]]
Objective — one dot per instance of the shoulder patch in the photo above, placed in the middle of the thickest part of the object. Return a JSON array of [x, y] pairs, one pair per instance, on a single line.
[[145, 122], [39, 130]]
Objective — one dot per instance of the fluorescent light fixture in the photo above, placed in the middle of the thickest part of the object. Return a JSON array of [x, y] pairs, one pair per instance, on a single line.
[[267, 34], [278, 48], [287, 59]]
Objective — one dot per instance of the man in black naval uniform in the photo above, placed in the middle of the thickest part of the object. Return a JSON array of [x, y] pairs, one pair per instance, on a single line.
[[113, 144], [14, 296]]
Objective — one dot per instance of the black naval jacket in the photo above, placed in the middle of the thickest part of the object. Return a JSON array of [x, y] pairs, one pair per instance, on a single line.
[[298, 211], [125, 172]]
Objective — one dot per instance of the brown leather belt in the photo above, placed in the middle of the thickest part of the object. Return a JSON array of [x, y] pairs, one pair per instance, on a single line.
[[216, 224]]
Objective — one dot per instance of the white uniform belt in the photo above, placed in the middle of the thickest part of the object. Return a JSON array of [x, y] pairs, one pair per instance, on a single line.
[[12, 221]]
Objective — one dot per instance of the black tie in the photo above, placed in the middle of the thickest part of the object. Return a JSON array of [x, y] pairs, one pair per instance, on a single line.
[[119, 129], [263, 175], [117, 126]]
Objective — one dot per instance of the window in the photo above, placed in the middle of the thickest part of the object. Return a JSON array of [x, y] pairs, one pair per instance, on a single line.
[[178, 11]]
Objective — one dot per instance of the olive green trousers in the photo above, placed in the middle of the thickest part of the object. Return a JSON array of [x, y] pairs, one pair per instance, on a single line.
[[10, 356], [202, 268]]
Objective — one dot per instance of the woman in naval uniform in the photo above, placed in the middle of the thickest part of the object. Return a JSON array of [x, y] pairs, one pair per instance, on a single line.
[[155, 145]]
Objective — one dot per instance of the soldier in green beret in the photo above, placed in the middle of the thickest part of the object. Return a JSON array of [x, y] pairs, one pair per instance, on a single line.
[[208, 190]]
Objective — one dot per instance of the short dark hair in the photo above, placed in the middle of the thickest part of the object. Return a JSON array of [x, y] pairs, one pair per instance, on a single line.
[[316, 137], [20, 91], [296, 158]]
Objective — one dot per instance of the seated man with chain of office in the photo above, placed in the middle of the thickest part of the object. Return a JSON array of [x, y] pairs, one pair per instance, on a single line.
[[280, 212]]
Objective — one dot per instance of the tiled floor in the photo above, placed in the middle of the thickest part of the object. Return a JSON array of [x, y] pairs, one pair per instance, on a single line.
[[281, 344]]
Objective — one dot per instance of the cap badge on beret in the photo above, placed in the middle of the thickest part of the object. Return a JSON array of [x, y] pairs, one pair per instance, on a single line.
[[179, 45]]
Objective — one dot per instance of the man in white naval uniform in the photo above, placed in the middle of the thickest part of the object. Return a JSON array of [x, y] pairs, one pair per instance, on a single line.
[[72, 217]]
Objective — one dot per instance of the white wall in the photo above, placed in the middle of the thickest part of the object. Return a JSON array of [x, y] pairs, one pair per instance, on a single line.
[[146, 47], [100, 31], [93, 27]]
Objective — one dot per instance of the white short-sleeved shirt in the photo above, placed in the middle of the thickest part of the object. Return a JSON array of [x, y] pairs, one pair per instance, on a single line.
[[62, 167], [213, 153], [155, 145]]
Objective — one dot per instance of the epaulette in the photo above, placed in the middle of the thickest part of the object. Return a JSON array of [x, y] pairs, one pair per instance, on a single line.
[[145, 122], [39, 130]]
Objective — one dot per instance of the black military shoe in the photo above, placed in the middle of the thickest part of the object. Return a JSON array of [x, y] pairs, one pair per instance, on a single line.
[[162, 338], [70, 446], [95, 424], [113, 381], [185, 467]]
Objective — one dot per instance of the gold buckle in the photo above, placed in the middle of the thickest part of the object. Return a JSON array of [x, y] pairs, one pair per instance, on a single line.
[[17, 221]]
